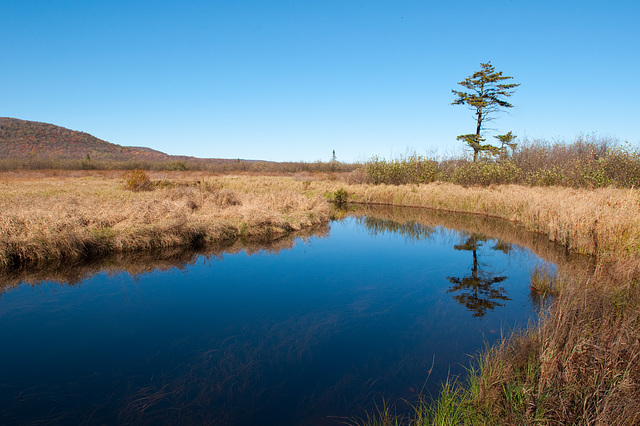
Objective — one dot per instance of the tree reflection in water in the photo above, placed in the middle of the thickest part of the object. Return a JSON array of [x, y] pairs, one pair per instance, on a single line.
[[477, 291]]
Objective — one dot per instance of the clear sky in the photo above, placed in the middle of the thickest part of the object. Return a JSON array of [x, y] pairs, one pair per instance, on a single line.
[[293, 80]]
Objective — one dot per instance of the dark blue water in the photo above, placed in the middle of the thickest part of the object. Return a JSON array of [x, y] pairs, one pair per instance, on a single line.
[[374, 311]]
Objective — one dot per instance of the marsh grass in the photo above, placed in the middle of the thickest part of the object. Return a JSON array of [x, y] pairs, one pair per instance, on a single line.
[[544, 282], [383, 415], [450, 408], [72, 272], [603, 222], [579, 366], [54, 218]]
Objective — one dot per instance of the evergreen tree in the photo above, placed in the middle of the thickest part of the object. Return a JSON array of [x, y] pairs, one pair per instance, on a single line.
[[507, 141], [486, 96]]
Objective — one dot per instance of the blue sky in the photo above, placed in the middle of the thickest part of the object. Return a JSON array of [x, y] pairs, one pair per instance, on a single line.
[[294, 80]]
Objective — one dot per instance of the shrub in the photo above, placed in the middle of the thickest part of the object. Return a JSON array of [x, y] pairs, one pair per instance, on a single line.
[[622, 166], [411, 169], [340, 196], [486, 173], [594, 175], [552, 176], [137, 180]]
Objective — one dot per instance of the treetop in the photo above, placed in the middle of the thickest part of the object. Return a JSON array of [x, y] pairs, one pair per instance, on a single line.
[[484, 87]]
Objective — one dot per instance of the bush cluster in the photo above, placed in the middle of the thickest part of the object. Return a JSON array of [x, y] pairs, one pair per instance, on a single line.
[[585, 163], [410, 169]]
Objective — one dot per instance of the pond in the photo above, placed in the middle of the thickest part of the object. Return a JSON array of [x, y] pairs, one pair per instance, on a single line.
[[384, 305]]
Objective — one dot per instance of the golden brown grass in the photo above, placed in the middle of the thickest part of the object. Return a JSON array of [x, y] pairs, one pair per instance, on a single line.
[[62, 217], [581, 365], [604, 222]]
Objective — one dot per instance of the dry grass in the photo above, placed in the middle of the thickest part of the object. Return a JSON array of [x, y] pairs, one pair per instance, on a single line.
[[67, 217], [544, 283], [581, 365], [72, 272], [604, 222]]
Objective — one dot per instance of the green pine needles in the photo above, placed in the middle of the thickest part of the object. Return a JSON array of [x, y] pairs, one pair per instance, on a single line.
[[486, 95]]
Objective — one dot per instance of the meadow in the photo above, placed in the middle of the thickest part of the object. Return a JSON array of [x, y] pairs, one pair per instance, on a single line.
[[579, 365], [53, 216]]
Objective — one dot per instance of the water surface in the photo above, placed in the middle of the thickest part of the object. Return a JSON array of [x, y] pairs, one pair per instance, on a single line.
[[377, 309]]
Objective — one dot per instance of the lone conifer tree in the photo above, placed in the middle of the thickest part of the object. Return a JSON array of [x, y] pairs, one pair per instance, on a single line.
[[486, 96]]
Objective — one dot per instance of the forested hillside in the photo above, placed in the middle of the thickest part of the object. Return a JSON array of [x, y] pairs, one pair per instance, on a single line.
[[31, 139]]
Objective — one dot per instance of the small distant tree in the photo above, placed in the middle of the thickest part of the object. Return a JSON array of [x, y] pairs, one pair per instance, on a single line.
[[507, 141], [486, 96]]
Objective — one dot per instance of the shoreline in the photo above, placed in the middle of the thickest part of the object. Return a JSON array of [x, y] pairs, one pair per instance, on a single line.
[[79, 215], [60, 219]]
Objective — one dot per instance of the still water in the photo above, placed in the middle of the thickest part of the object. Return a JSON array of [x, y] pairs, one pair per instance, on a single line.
[[373, 309]]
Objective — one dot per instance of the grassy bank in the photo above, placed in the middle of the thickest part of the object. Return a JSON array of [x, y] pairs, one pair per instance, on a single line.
[[51, 218], [603, 222]]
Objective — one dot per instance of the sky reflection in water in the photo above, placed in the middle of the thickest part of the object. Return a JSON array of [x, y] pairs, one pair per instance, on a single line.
[[322, 329]]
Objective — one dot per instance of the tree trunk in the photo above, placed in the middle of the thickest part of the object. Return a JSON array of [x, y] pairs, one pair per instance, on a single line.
[[478, 128]]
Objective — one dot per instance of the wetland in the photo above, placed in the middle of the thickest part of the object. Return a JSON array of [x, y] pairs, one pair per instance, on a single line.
[[381, 305]]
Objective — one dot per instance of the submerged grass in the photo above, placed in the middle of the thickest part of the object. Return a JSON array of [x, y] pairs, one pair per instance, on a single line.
[[544, 282]]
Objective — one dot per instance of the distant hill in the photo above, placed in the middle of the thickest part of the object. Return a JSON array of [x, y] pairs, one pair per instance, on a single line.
[[21, 139]]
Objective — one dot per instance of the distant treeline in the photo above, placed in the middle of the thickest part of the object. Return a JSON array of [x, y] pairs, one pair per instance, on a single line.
[[218, 166]]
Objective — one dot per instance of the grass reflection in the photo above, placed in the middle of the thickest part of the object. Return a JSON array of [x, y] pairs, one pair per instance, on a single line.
[[143, 262]]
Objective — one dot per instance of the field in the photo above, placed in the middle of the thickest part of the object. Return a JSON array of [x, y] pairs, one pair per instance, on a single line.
[[581, 364], [53, 216]]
